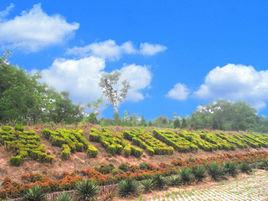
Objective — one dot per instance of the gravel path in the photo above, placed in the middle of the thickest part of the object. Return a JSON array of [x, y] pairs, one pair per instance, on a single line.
[[250, 188]]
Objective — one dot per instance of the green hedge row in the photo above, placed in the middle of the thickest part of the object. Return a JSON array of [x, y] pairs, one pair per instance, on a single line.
[[24, 145], [70, 141], [177, 142], [197, 140], [247, 140], [146, 141], [219, 142], [114, 142], [260, 139], [230, 138]]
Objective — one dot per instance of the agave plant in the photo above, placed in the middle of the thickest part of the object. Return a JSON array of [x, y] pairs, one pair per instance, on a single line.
[[186, 175], [34, 194], [215, 171], [147, 185], [128, 187], [199, 172], [87, 190], [159, 182], [174, 180], [246, 168], [64, 197], [230, 168]]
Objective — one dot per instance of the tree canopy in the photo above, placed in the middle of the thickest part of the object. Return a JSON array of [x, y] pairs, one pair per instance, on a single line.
[[225, 115], [24, 99]]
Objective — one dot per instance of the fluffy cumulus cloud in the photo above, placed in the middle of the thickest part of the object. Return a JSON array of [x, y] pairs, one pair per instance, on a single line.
[[139, 78], [34, 29], [236, 83], [109, 49], [80, 77], [151, 49], [178, 92], [106, 49]]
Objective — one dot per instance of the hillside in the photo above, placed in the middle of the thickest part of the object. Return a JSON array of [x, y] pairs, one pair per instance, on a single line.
[[62, 156]]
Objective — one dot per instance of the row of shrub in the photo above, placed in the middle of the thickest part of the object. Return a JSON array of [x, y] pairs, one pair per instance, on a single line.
[[260, 139], [70, 141], [146, 141], [186, 176], [24, 145], [219, 142], [109, 174], [195, 138], [177, 142], [263, 138], [90, 190], [114, 142], [233, 140]]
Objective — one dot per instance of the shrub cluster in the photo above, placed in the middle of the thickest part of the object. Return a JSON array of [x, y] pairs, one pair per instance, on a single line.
[[195, 138], [114, 142], [177, 142], [259, 140], [70, 141], [146, 141], [219, 142], [24, 144], [230, 138]]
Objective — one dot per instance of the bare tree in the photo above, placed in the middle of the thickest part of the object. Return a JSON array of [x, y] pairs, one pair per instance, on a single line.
[[114, 90]]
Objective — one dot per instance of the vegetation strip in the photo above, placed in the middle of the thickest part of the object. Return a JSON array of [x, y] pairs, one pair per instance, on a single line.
[[114, 143], [24, 144], [145, 140], [90, 189], [70, 141]]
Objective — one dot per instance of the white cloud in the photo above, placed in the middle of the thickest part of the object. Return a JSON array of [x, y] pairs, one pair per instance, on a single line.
[[139, 78], [109, 49], [178, 92], [34, 29], [106, 49], [5, 13], [80, 77], [236, 82], [151, 49]]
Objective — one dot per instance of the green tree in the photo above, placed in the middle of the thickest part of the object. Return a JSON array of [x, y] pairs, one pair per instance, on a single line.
[[177, 123], [184, 123], [24, 99], [225, 115], [161, 121]]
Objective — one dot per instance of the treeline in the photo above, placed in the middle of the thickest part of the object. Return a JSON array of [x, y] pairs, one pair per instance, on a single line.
[[219, 115], [23, 99]]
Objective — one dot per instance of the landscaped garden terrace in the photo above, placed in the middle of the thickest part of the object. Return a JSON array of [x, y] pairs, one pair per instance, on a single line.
[[124, 159]]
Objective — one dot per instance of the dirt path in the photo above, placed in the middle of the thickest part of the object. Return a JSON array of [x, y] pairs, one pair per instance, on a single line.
[[252, 187]]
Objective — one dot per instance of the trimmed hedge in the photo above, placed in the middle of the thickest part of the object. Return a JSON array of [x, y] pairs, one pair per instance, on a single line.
[[114, 142], [177, 142], [24, 144], [65, 152], [197, 140], [219, 142], [146, 141], [70, 141]]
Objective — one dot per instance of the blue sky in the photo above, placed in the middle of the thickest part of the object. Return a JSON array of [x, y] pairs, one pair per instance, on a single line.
[[181, 53]]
